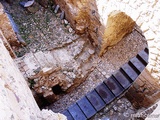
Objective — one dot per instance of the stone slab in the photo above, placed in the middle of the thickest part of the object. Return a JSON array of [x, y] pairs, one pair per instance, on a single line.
[[139, 66], [41, 58], [86, 107], [95, 100], [105, 93], [129, 71], [76, 112], [122, 79], [68, 115], [114, 86], [143, 57]]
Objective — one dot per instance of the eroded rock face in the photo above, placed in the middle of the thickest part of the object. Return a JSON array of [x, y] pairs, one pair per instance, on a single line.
[[118, 25], [89, 17]]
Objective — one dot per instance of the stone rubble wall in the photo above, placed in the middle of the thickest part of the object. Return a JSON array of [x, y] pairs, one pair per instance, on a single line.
[[66, 67], [16, 99]]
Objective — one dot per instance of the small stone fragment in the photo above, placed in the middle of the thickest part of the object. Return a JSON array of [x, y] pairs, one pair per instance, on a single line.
[[20, 39], [56, 9], [27, 4], [65, 21], [70, 30], [91, 51], [47, 70], [62, 15]]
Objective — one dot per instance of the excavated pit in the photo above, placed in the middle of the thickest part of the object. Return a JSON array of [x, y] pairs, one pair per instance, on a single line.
[[46, 34]]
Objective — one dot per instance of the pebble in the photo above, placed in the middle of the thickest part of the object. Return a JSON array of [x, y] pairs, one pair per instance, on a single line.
[[104, 73], [105, 118], [119, 109], [119, 101], [65, 21], [91, 51], [53, 7], [106, 109], [115, 108], [62, 15], [70, 30], [65, 72], [56, 9], [126, 114], [26, 4], [111, 112]]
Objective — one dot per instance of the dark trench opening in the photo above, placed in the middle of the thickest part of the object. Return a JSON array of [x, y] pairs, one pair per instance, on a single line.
[[57, 89]]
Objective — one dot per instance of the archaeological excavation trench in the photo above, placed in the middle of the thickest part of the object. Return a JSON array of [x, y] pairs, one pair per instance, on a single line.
[[73, 60]]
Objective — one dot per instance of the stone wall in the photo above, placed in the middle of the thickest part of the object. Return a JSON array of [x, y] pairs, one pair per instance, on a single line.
[[16, 99], [66, 68]]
